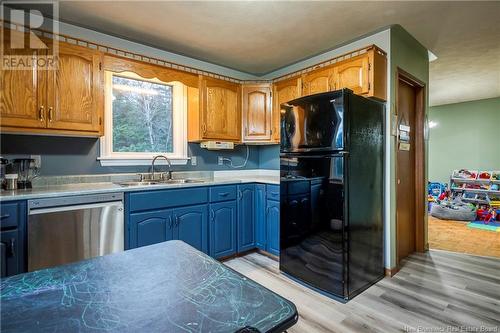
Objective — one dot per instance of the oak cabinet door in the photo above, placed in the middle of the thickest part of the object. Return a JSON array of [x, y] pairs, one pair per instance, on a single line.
[[353, 74], [318, 81], [257, 113], [21, 96], [75, 91], [221, 112], [284, 91]]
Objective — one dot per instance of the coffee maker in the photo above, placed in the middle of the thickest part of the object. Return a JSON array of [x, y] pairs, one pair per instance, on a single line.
[[26, 170]]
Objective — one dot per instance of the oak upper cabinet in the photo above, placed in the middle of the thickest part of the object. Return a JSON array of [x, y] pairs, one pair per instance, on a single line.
[[318, 81], [257, 113], [283, 91], [219, 115], [365, 74], [74, 91], [21, 96], [65, 100], [353, 74]]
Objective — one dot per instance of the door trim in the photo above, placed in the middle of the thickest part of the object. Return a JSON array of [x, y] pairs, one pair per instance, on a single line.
[[420, 165]]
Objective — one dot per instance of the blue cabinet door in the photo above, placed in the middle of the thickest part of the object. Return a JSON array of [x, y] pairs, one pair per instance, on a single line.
[[260, 216], [273, 227], [191, 226], [246, 217], [10, 247], [222, 229], [150, 228]]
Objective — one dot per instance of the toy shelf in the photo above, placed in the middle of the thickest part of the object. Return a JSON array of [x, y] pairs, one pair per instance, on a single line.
[[462, 182], [475, 190]]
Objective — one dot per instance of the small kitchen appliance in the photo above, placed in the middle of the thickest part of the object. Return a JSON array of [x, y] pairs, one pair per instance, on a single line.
[[26, 170]]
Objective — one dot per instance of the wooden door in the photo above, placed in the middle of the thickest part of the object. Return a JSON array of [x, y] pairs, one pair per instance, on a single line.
[[318, 81], [221, 117], [256, 112], [246, 217], [150, 228], [284, 91], [22, 92], [222, 229], [75, 90], [405, 172], [191, 226], [353, 74]]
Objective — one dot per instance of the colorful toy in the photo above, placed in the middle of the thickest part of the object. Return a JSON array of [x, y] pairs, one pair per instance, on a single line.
[[465, 174], [484, 175], [435, 189], [487, 215]]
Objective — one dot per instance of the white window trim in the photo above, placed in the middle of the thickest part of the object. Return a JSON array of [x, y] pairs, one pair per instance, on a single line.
[[179, 110]]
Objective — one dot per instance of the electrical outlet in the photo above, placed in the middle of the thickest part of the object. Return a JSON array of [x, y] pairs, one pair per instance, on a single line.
[[220, 160], [38, 160], [194, 160]]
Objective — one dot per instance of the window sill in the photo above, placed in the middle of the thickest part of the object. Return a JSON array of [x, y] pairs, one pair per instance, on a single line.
[[127, 161]]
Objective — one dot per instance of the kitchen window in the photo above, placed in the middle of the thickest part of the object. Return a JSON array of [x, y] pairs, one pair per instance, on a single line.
[[143, 118]]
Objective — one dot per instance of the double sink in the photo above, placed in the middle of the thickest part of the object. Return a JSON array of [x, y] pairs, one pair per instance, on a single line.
[[158, 178], [159, 182]]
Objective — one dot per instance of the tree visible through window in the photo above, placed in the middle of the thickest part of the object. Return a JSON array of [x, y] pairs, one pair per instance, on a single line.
[[142, 116]]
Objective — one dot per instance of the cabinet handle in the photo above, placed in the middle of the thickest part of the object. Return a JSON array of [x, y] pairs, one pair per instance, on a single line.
[[204, 127], [267, 210], [212, 215], [12, 247], [240, 194], [5, 216], [41, 112], [224, 194], [170, 222], [50, 113], [176, 219]]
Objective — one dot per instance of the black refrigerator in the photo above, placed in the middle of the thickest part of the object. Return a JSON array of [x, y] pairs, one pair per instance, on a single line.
[[331, 192]]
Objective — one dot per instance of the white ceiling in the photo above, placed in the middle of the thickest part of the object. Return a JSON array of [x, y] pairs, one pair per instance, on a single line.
[[260, 37]]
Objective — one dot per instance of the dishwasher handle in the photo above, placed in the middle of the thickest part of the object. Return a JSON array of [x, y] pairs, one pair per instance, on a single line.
[[35, 211]]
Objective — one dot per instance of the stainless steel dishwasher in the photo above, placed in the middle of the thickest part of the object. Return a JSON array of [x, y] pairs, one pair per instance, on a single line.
[[68, 229]]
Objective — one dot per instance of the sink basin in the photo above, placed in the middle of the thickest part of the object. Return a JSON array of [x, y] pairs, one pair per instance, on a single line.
[[182, 181], [163, 182], [146, 183]]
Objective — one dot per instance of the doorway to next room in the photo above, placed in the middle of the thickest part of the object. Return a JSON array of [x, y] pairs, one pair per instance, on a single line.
[[464, 177]]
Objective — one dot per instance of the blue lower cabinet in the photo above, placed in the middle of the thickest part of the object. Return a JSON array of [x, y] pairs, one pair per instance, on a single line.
[[273, 227], [260, 216], [12, 238], [246, 217], [222, 229], [10, 248], [150, 228], [191, 226]]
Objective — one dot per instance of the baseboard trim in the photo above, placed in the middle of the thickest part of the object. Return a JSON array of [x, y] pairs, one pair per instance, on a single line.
[[390, 272]]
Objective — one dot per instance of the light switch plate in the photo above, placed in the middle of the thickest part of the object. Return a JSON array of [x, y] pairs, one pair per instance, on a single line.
[[194, 160], [220, 160]]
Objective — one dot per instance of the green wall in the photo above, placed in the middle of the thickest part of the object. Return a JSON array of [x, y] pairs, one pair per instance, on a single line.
[[467, 135], [409, 55]]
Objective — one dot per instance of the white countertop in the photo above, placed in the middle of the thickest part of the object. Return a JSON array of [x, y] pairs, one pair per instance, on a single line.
[[109, 187]]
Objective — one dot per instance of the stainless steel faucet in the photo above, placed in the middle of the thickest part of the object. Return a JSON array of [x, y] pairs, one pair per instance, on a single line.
[[153, 167]]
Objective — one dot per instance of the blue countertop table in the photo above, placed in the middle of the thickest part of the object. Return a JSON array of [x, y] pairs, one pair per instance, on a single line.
[[166, 287]]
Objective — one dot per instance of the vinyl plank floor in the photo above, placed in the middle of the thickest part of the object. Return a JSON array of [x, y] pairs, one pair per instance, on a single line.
[[437, 291]]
